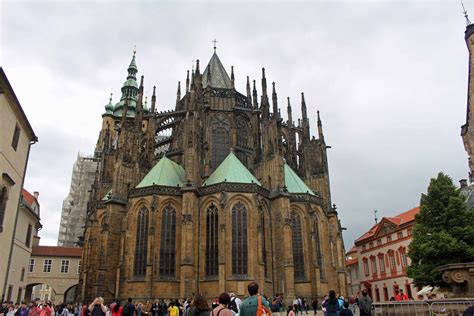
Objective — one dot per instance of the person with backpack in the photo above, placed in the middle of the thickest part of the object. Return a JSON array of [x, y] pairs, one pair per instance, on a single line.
[[332, 304], [234, 303], [128, 309], [223, 308], [255, 304], [365, 304]]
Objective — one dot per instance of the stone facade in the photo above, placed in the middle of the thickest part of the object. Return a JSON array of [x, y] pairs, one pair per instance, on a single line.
[[73, 215], [16, 138], [467, 130], [169, 241]]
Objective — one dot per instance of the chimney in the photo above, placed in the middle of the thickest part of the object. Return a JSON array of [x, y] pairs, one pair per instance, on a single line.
[[463, 183], [36, 194]]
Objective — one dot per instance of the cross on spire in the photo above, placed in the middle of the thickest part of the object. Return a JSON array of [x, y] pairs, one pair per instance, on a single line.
[[215, 42], [468, 22]]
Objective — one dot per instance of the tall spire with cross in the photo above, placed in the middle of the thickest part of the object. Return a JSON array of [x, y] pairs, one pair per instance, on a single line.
[[464, 11], [215, 46]]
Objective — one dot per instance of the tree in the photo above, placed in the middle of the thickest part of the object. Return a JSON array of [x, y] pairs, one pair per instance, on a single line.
[[443, 232]]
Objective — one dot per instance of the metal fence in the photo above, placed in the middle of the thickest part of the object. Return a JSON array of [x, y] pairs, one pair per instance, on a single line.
[[418, 308]]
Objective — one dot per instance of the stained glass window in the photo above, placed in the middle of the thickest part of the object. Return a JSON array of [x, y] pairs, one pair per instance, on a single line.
[[141, 243], [212, 225], [168, 242], [239, 239], [298, 254]]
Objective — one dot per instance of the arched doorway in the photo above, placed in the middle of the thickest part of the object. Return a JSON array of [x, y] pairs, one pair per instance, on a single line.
[[42, 291], [70, 294]]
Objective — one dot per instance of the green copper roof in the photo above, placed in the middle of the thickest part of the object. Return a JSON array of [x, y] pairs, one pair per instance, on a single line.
[[231, 170], [165, 172], [109, 108], [293, 183]]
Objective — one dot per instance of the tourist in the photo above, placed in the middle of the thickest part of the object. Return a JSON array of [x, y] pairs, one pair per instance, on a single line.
[[223, 308], [304, 306], [199, 306], [290, 311], [173, 309], [47, 309], [117, 308], [128, 309], [139, 309], [84, 311], [331, 304], [97, 308], [250, 304], [155, 308], [296, 305], [234, 304], [23, 310], [63, 310], [365, 304], [400, 296], [314, 304], [345, 311]]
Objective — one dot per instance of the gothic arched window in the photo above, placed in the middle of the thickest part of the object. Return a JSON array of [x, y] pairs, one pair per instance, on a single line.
[[242, 132], [298, 254], [318, 253], [264, 242], [239, 239], [220, 139], [167, 265], [212, 225], [141, 243], [3, 205]]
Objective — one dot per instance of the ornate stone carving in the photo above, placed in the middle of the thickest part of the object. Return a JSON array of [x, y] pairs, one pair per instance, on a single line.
[[187, 218]]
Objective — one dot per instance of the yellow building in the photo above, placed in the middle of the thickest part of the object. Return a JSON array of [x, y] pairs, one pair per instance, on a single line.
[[16, 138]]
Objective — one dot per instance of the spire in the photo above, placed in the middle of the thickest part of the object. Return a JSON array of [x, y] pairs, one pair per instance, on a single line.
[[264, 104], [130, 86], [274, 100], [255, 102], [215, 46], [466, 16], [264, 83], [197, 67], [290, 115], [320, 127], [232, 79], [153, 100], [109, 108], [215, 75], [187, 82], [249, 93], [303, 107], [139, 108], [178, 93], [145, 105]]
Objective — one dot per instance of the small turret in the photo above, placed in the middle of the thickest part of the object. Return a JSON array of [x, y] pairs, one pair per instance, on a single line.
[[320, 128], [187, 82], [290, 115], [109, 108], [264, 104], [197, 67], [249, 93], [255, 102], [303, 107], [274, 101], [153, 100], [178, 93], [232, 78]]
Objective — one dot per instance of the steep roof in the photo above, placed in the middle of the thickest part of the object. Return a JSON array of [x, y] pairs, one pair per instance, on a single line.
[[29, 198], [293, 183], [218, 76], [231, 170], [53, 251], [165, 172], [397, 221]]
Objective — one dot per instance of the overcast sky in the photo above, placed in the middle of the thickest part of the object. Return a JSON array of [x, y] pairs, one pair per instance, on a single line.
[[390, 80]]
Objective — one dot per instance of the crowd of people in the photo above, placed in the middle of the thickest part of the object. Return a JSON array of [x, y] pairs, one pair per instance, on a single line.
[[227, 304]]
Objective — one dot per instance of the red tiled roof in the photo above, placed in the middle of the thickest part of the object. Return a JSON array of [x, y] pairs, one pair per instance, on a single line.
[[29, 198], [351, 261], [398, 220], [53, 251], [353, 249]]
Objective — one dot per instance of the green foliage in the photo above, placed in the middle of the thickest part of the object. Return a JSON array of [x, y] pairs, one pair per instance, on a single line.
[[443, 232]]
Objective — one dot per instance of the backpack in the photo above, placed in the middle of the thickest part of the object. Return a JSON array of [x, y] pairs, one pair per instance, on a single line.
[[233, 305], [262, 310]]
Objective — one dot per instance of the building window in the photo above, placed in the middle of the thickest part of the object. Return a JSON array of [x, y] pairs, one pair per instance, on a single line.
[[239, 239], [389, 238], [141, 243], [371, 244], [16, 137], [391, 256], [28, 236], [298, 251], [10, 293], [379, 242], [381, 264], [363, 247], [220, 139], [47, 265], [3, 205], [400, 235], [409, 231], [22, 275], [404, 259], [168, 243], [64, 266], [79, 267], [31, 265], [264, 243], [366, 267], [212, 241], [374, 265], [20, 293]]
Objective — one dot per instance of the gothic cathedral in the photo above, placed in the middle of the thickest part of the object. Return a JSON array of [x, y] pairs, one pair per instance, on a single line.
[[207, 197]]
